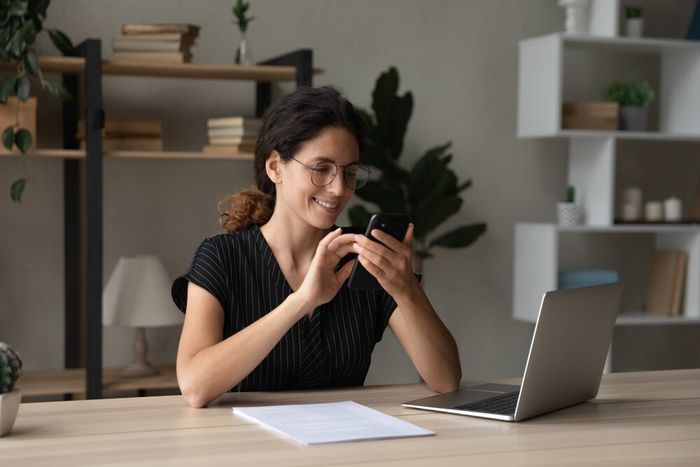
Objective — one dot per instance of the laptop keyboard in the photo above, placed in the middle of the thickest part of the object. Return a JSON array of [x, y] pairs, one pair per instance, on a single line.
[[502, 405]]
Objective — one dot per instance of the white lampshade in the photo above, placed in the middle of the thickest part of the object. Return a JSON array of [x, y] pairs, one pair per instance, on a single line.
[[138, 294]]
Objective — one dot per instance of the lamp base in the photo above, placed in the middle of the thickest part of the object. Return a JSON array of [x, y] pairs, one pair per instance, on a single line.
[[137, 370]]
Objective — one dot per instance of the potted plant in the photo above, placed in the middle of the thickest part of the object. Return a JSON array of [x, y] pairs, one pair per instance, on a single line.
[[240, 11], [569, 213], [429, 191], [10, 371], [20, 23], [634, 23], [634, 98]]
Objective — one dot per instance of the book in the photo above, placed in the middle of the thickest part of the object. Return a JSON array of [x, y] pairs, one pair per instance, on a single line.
[[150, 46], [164, 57], [239, 140], [181, 28], [231, 149], [601, 115], [130, 144], [232, 131], [126, 127], [331, 422], [246, 122], [665, 283]]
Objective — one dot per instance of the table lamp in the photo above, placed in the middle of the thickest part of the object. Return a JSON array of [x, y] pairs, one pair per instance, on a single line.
[[138, 295]]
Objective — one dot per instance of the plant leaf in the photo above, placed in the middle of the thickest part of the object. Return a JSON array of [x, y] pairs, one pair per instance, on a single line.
[[31, 64], [432, 212], [359, 216], [460, 237], [23, 87], [8, 137], [58, 91], [29, 32], [392, 113], [385, 193], [7, 88], [18, 7], [23, 140], [17, 189], [38, 7], [61, 41]]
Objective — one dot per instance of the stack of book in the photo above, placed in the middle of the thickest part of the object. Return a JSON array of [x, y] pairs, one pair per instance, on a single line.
[[590, 115], [664, 293], [165, 43], [128, 135], [232, 135]]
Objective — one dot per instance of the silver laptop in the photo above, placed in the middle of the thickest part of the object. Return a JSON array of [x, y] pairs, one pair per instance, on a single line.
[[564, 367]]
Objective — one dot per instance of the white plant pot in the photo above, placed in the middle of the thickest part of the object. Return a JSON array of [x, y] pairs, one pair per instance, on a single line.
[[569, 214], [634, 27], [9, 405]]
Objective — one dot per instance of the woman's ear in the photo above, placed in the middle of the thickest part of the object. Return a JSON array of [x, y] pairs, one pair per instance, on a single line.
[[273, 167]]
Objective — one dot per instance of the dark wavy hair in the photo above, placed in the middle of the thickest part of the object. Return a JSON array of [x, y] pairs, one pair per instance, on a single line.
[[288, 123]]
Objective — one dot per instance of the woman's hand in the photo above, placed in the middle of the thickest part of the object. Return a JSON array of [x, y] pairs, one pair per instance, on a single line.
[[322, 281], [390, 263]]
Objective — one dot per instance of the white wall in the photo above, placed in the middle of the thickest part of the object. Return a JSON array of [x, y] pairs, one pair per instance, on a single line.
[[458, 57]]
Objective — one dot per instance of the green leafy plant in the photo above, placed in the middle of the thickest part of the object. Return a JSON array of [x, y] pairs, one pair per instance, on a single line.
[[630, 93], [240, 10], [633, 12], [20, 23], [10, 368], [429, 192], [570, 195]]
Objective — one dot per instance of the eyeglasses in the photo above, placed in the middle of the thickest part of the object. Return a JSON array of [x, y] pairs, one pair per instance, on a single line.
[[323, 173]]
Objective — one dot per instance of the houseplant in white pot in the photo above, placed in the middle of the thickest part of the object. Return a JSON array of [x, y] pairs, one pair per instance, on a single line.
[[10, 397], [634, 98]]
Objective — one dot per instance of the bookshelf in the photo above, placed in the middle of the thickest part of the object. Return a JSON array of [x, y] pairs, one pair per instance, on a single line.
[[82, 74], [561, 67]]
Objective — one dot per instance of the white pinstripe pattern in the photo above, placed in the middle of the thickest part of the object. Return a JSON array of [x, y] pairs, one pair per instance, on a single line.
[[333, 348]]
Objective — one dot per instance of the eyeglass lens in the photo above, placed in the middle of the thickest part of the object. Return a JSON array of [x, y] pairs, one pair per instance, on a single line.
[[323, 173]]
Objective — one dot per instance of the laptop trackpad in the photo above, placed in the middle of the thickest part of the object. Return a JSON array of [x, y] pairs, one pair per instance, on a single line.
[[466, 395]]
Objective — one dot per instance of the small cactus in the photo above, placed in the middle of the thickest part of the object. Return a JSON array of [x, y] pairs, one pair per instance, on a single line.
[[10, 368]]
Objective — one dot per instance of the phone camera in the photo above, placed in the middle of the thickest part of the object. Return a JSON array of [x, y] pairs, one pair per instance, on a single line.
[[383, 224]]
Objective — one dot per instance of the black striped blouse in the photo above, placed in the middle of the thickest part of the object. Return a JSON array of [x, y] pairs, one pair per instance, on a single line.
[[332, 348]]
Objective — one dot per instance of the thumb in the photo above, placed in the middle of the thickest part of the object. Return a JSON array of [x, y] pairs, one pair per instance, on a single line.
[[345, 271], [408, 238]]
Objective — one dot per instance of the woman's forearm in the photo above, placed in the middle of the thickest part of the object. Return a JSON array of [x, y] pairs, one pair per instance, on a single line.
[[214, 370], [430, 345]]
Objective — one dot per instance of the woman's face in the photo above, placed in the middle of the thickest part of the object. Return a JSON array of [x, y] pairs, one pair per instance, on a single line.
[[318, 206]]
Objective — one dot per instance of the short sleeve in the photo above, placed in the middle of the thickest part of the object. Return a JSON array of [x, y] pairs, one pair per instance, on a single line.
[[385, 308], [207, 270]]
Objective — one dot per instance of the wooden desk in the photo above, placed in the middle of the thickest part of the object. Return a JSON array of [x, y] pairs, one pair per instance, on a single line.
[[639, 418], [72, 382]]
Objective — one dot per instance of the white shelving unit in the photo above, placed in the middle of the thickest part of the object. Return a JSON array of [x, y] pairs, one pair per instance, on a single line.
[[544, 68]]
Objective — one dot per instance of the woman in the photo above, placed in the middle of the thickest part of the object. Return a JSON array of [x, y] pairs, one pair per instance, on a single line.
[[266, 308]]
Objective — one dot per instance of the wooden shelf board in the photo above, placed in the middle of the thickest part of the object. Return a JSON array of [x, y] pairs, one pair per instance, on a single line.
[[631, 135], [182, 155], [72, 381], [60, 64]]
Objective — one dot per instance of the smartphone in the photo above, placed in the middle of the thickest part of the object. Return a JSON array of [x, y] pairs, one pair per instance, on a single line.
[[393, 224]]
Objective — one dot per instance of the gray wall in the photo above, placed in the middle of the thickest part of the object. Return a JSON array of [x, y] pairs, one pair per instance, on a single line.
[[458, 57]]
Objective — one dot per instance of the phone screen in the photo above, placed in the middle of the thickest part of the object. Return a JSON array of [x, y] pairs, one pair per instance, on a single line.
[[393, 224]]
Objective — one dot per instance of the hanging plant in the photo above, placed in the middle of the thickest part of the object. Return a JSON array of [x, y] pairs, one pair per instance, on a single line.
[[21, 21]]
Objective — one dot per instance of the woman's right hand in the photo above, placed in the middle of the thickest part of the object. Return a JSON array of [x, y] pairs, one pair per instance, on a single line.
[[322, 281]]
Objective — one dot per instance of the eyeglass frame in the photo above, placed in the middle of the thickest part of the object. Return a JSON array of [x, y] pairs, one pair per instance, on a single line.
[[335, 174]]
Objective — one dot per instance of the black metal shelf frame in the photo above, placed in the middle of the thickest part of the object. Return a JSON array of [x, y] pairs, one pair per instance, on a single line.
[[93, 113]]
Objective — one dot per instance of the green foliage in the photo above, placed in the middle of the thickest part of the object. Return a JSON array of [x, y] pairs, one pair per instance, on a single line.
[[240, 10], [570, 195], [630, 93], [633, 12], [429, 192], [10, 368], [20, 23]]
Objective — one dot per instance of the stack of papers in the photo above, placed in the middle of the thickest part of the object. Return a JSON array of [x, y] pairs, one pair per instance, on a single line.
[[330, 422]]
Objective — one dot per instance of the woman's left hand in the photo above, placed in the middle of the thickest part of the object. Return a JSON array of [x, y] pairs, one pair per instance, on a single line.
[[390, 263]]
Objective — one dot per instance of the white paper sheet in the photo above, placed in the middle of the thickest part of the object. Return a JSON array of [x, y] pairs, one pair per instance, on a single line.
[[330, 422]]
